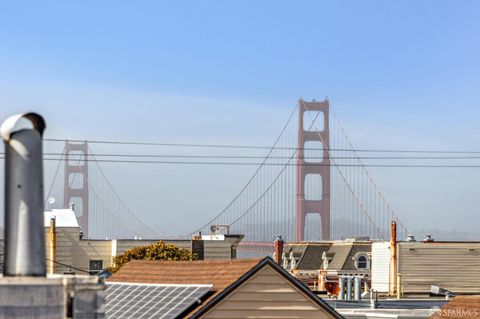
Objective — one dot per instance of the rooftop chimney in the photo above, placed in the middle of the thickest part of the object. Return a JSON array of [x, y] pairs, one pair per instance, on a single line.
[[279, 249], [24, 229]]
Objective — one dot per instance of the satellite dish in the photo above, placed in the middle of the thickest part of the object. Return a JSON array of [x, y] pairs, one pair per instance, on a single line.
[[51, 200]]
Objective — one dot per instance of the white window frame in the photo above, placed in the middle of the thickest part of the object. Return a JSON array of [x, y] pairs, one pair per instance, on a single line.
[[356, 261]]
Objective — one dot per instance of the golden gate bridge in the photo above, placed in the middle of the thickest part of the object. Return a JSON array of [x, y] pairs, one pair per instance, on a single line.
[[310, 185]]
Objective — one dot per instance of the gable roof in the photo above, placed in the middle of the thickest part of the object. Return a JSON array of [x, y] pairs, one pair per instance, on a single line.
[[267, 261], [225, 276], [460, 307]]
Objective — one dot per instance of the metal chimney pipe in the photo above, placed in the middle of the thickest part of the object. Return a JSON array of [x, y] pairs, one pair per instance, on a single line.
[[24, 228], [349, 288], [341, 285], [357, 288]]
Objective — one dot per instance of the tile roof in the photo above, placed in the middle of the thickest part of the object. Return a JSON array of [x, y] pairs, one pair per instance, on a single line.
[[465, 307], [220, 273]]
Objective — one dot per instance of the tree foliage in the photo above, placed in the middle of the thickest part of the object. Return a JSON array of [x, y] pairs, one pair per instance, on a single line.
[[157, 251]]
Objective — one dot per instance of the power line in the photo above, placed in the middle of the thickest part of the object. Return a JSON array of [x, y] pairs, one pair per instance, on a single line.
[[271, 164], [68, 266], [433, 151], [74, 157]]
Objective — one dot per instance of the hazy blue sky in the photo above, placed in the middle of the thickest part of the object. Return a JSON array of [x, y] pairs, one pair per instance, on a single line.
[[402, 74]]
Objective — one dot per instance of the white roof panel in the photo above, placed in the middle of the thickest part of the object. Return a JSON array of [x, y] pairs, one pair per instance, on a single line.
[[63, 217]]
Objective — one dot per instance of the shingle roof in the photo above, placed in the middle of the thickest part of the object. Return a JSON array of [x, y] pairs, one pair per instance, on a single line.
[[465, 307], [341, 251], [220, 273], [309, 255], [312, 257]]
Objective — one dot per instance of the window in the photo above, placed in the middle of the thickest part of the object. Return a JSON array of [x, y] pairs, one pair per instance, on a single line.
[[362, 261], [95, 266]]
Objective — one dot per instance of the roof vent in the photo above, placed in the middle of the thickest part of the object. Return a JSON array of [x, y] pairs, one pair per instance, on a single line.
[[410, 238], [428, 238], [24, 232]]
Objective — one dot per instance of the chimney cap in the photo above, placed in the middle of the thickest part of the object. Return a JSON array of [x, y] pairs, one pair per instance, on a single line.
[[8, 126]]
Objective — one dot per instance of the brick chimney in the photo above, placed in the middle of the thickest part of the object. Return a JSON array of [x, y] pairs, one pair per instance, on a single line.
[[198, 247], [279, 243]]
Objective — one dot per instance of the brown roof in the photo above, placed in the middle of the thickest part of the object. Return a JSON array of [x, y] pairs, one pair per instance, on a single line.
[[220, 273], [464, 307]]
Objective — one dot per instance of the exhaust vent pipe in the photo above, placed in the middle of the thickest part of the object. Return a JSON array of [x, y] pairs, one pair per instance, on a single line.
[[24, 221]]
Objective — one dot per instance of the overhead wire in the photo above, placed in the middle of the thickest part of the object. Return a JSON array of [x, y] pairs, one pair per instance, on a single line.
[[139, 143], [274, 164], [115, 155], [68, 266]]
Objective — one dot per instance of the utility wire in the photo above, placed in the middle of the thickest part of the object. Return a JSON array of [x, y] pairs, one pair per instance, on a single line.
[[74, 156], [433, 151], [69, 266], [272, 164]]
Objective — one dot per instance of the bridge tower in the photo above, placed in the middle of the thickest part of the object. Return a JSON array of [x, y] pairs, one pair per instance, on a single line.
[[307, 206], [75, 190]]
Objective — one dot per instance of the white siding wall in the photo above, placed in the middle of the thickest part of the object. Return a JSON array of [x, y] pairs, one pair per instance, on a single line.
[[450, 265], [267, 295], [380, 266]]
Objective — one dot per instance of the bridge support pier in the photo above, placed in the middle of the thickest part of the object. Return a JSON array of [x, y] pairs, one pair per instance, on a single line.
[[305, 134], [72, 193]]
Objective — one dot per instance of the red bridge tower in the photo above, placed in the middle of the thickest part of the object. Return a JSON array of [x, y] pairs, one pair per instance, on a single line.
[[304, 168], [75, 189]]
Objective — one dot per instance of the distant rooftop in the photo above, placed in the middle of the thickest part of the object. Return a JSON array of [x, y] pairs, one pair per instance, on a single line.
[[63, 218], [220, 273]]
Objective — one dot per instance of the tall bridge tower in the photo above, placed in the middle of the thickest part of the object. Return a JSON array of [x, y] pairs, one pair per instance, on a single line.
[[306, 134], [75, 190]]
